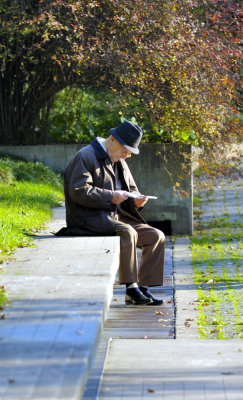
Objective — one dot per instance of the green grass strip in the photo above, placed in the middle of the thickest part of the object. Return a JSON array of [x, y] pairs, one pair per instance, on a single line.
[[24, 207], [28, 192], [216, 256]]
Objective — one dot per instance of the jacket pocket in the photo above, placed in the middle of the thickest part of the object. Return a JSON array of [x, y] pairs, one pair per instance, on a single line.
[[102, 223]]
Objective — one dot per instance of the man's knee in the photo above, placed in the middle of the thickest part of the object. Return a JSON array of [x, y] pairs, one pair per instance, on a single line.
[[132, 232], [129, 232], [158, 235]]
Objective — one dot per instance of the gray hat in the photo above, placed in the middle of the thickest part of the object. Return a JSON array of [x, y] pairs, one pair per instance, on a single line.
[[129, 135]]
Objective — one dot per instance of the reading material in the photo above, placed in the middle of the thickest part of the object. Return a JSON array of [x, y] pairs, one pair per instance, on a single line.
[[140, 196]]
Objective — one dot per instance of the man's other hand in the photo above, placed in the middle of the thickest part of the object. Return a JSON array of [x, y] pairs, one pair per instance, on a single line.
[[119, 196], [140, 202]]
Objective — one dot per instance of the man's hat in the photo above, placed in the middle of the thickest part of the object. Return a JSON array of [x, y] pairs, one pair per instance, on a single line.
[[129, 135]]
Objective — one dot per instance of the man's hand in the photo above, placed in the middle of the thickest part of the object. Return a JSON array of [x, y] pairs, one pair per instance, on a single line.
[[119, 196], [140, 202]]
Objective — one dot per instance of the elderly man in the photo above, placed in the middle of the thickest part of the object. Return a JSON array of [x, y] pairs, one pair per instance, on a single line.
[[98, 185]]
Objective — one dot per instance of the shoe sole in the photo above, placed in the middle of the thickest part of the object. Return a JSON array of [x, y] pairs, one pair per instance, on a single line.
[[155, 303], [136, 303]]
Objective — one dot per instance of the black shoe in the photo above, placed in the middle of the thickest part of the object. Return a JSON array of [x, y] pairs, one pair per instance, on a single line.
[[135, 296], [153, 300]]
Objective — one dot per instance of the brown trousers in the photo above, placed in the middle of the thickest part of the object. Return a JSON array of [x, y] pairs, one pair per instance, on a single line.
[[134, 234]]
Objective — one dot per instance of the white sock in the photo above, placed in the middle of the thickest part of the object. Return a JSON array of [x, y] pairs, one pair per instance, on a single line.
[[133, 285]]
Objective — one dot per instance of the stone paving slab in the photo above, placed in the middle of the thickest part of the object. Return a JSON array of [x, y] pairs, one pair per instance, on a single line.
[[64, 255], [59, 292], [185, 368], [173, 370], [185, 296], [144, 321], [133, 322]]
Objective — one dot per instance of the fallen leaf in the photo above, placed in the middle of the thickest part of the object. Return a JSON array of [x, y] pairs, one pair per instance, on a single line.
[[169, 301], [115, 299], [159, 313], [151, 390]]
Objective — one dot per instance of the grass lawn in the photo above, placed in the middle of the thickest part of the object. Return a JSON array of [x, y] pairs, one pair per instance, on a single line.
[[28, 192], [217, 251]]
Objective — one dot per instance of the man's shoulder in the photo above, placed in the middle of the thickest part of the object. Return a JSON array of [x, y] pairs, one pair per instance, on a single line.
[[95, 148], [85, 153], [85, 149]]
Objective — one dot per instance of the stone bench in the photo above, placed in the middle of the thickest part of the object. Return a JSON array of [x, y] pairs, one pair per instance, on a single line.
[[60, 292]]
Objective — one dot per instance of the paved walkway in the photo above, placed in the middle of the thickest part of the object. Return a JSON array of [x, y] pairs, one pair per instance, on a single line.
[[132, 322], [49, 333], [173, 370], [140, 364]]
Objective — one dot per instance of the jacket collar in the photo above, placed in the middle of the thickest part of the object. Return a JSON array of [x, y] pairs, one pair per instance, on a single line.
[[101, 154]]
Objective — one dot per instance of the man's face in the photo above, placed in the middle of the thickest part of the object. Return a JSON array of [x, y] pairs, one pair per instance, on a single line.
[[117, 151]]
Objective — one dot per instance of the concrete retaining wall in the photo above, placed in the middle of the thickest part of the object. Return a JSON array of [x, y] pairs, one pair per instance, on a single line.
[[156, 170]]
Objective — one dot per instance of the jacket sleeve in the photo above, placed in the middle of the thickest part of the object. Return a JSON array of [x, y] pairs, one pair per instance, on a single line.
[[81, 187]]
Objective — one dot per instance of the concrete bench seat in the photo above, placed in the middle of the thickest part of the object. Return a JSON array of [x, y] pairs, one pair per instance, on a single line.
[[60, 292]]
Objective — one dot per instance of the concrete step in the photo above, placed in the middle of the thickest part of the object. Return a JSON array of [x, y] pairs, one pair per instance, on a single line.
[[173, 370], [60, 292], [134, 322]]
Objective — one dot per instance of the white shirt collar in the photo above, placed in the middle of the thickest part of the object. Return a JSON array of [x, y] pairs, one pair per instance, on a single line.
[[100, 142]]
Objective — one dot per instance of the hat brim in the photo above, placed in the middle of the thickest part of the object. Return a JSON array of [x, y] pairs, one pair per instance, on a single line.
[[114, 133], [131, 149]]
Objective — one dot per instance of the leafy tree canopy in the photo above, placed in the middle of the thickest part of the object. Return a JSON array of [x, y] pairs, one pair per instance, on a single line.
[[179, 58]]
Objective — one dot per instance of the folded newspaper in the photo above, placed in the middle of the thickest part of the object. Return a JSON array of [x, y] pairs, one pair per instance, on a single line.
[[140, 196]]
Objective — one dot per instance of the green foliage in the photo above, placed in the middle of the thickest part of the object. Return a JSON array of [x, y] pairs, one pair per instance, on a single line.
[[19, 170], [6, 174], [79, 115], [26, 202], [171, 56]]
